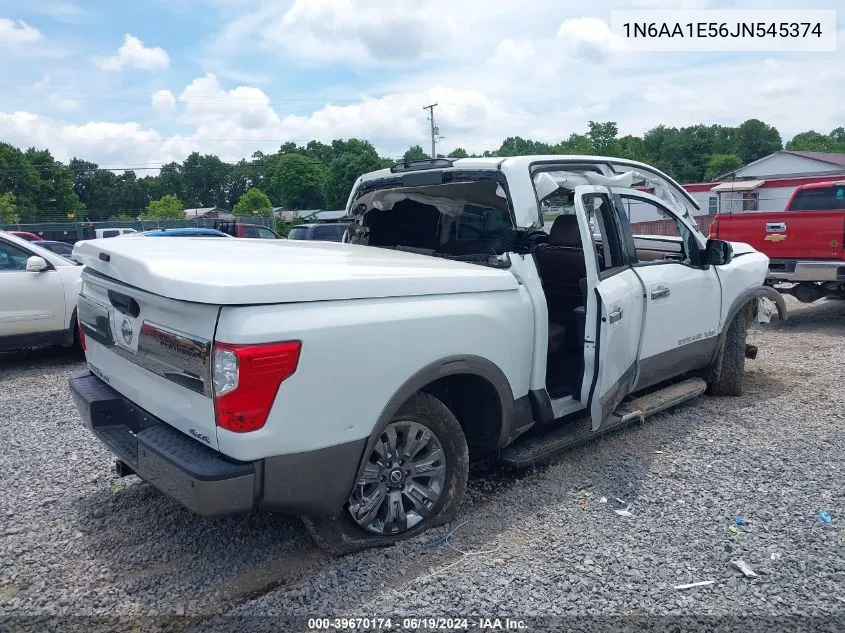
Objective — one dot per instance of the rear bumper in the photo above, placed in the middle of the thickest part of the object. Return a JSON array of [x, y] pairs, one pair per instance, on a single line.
[[806, 270], [205, 481]]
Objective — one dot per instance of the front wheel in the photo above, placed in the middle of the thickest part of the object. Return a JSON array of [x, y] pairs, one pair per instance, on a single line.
[[413, 478], [727, 375]]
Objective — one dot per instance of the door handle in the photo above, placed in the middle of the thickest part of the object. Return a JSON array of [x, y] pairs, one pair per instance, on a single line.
[[775, 227], [659, 293], [616, 315]]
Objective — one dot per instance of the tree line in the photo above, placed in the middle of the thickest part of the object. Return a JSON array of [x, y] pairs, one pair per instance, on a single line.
[[35, 187]]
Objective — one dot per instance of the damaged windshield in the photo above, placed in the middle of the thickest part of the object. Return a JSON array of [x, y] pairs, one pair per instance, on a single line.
[[467, 220]]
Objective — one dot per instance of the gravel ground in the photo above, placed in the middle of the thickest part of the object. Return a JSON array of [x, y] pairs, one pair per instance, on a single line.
[[76, 540]]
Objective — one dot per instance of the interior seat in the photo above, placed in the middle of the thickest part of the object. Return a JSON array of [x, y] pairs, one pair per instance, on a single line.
[[557, 338], [561, 265]]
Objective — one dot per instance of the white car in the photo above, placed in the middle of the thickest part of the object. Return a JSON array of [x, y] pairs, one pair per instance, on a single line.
[[38, 295], [348, 383], [103, 233]]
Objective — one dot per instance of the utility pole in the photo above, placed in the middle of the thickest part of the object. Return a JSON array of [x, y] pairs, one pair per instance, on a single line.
[[434, 130]]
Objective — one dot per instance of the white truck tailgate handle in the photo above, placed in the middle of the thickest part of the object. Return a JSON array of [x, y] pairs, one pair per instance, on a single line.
[[775, 227], [615, 315], [660, 292]]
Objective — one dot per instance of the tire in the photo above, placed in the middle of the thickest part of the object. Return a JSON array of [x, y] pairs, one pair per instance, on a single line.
[[726, 377], [345, 534]]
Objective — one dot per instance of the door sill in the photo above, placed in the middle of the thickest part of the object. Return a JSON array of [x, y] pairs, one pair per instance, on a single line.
[[566, 405]]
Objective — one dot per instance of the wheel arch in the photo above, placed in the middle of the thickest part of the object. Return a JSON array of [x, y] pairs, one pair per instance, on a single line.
[[433, 375], [740, 302]]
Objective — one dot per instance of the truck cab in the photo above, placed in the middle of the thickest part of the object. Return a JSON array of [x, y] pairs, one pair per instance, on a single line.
[[614, 312]]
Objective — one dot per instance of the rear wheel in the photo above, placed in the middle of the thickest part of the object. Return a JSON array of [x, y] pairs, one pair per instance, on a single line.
[[414, 478], [726, 377]]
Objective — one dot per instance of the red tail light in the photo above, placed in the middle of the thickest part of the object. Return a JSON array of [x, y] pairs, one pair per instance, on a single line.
[[81, 337], [714, 229], [246, 380]]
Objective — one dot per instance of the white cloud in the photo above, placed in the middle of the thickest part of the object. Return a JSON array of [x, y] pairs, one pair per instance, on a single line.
[[14, 33], [374, 33], [133, 54], [587, 39], [163, 101], [533, 69], [60, 102], [61, 10], [108, 143], [242, 108], [513, 52]]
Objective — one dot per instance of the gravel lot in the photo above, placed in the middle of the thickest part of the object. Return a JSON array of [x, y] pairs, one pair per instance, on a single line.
[[76, 540]]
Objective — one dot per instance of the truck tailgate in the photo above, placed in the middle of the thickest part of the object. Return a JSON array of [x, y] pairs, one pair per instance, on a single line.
[[788, 234], [153, 350]]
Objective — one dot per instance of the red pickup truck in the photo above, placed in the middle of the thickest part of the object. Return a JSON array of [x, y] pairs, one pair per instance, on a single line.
[[803, 243]]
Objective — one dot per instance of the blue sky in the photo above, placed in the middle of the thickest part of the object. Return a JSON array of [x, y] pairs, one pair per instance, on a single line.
[[129, 84]]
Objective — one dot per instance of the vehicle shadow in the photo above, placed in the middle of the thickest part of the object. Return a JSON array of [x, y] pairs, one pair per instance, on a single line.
[[245, 557], [145, 541], [148, 543], [35, 358], [823, 317]]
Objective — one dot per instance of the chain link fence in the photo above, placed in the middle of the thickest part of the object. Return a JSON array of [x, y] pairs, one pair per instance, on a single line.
[[71, 232]]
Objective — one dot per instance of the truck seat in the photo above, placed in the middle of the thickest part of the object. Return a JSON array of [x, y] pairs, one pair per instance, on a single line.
[[557, 337], [561, 266]]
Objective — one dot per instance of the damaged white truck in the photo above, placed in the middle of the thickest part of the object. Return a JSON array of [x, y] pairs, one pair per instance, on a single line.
[[349, 383]]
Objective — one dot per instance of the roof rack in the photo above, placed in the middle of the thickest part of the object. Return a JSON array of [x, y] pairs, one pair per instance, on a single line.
[[416, 165]]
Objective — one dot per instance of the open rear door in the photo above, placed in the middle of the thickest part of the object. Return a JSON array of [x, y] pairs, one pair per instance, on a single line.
[[614, 307]]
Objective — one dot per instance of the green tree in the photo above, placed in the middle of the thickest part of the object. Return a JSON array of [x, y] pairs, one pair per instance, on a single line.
[[719, 164], [812, 141], [168, 207], [96, 188], [518, 146], [755, 140], [575, 144], [8, 208], [602, 138], [631, 147], [415, 152], [297, 181], [458, 152], [355, 157], [253, 202], [205, 179]]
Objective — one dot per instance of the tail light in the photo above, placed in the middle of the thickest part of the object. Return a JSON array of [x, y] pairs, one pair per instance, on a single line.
[[714, 229], [81, 337], [246, 379]]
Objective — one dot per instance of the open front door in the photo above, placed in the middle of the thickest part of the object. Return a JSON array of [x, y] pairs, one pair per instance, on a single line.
[[614, 306]]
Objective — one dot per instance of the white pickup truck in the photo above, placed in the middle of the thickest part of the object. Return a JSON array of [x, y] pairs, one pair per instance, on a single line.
[[348, 383]]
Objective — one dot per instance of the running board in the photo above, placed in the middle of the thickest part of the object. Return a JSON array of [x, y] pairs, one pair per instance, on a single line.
[[535, 448]]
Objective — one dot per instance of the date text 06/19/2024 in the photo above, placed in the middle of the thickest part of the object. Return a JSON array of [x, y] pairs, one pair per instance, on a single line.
[[416, 624]]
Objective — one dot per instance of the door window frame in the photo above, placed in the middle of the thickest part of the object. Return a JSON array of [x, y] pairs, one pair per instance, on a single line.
[[25, 251], [619, 196]]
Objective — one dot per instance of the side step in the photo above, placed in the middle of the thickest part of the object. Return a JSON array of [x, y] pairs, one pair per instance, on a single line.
[[535, 448]]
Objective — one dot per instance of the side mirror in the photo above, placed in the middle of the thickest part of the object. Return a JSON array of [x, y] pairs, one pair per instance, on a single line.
[[36, 264], [719, 252]]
